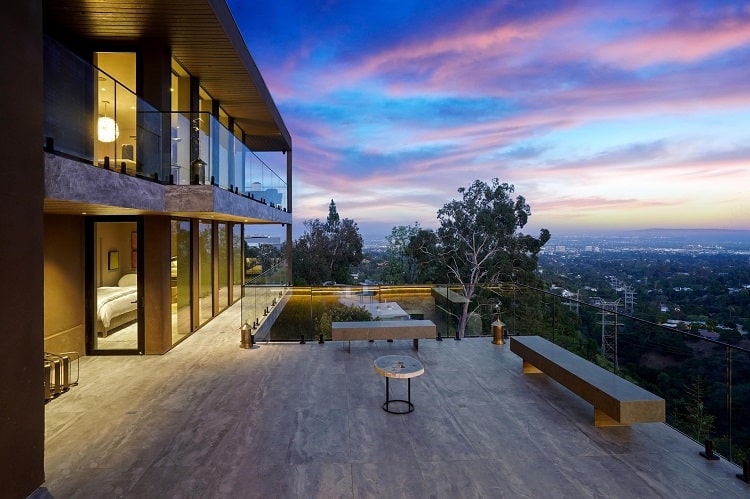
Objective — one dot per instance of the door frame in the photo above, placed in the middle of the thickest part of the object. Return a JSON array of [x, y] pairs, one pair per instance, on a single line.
[[90, 280]]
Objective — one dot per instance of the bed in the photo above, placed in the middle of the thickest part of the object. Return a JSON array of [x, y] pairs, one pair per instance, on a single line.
[[116, 306]]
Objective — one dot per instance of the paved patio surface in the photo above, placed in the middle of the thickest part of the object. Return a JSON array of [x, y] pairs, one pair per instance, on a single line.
[[210, 420]]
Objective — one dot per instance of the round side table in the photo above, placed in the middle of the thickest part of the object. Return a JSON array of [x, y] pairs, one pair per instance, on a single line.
[[400, 367]]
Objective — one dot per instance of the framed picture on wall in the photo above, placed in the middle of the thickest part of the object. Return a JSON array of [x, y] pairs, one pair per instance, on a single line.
[[113, 261]]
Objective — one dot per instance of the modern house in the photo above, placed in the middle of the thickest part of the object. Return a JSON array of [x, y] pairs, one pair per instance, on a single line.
[[131, 172], [135, 143]]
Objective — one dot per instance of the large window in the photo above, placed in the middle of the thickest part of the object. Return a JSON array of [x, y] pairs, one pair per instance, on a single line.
[[116, 124], [204, 126], [237, 267], [180, 129], [180, 280], [225, 152], [205, 271], [223, 257]]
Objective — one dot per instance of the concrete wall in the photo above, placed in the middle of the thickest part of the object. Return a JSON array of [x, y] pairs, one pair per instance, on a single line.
[[157, 287], [64, 278], [21, 250], [64, 292]]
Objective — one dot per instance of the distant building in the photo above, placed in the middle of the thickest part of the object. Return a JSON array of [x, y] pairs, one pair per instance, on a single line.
[[711, 335], [255, 241]]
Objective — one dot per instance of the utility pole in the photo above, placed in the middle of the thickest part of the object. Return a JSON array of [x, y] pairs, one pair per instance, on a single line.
[[629, 299], [609, 330]]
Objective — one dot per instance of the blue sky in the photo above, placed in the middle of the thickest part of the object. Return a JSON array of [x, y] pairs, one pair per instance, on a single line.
[[605, 115]]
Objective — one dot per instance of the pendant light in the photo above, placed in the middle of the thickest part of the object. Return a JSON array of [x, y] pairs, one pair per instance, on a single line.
[[107, 128]]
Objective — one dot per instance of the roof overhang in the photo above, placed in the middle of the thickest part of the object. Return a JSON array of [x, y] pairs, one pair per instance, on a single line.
[[203, 37]]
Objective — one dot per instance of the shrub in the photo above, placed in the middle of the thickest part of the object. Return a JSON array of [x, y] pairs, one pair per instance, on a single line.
[[339, 312]]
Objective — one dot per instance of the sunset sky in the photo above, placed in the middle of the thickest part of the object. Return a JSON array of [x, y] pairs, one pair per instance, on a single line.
[[605, 115]]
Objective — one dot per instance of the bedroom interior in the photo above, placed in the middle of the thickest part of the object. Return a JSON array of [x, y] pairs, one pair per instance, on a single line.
[[116, 285]]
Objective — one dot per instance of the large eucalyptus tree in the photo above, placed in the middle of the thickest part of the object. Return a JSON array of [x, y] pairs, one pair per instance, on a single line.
[[480, 239]]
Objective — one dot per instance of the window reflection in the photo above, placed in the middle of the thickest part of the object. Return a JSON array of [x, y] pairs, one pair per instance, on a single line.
[[223, 277], [205, 271], [237, 266], [180, 280]]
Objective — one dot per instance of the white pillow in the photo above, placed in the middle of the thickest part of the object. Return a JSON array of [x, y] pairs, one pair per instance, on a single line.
[[128, 280]]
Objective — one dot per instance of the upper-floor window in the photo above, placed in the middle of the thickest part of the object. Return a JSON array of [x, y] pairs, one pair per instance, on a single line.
[[223, 118], [116, 122], [179, 88]]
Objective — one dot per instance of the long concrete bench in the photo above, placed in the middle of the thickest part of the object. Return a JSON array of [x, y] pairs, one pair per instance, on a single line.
[[616, 401], [383, 330]]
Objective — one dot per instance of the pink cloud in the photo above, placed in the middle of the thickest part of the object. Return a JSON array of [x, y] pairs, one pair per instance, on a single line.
[[445, 57], [679, 44], [523, 62]]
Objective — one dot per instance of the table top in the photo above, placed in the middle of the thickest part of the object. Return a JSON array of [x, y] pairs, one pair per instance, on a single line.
[[398, 366]]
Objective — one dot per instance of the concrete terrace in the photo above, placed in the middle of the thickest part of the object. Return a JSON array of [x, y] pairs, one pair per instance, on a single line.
[[209, 419]]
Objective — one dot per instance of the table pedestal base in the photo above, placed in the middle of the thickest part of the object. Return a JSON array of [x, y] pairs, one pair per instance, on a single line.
[[388, 401]]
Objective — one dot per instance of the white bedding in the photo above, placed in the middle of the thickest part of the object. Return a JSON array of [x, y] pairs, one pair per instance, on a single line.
[[114, 301]]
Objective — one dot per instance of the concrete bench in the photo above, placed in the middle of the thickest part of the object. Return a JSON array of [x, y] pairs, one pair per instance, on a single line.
[[383, 330], [616, 401]]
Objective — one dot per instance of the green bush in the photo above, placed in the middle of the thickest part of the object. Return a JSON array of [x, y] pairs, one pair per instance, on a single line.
[[339, 312]]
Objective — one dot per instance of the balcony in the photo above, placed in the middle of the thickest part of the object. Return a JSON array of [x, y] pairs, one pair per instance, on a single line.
[[209, 419], [123, 143]]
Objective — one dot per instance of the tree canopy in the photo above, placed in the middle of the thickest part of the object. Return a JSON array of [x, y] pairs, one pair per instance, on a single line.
[[327, 250], [479, 239], [407, 258], [480, 234]]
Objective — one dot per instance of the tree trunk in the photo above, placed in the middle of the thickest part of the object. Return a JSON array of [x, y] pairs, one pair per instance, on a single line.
[[468, 290], [463, 320]]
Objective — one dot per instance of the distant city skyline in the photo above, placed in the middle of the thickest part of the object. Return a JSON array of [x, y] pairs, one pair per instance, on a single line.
[[605, 115]]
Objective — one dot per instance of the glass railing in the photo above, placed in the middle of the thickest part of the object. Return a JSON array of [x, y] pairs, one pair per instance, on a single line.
[[705, 382], [203, 151], [123, 133], [263, 184], [307, 305], [90, 116], [263, 293]]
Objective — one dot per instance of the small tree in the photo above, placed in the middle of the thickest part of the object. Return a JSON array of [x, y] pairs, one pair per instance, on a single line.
[[697, 418], [479, 239], [401, 262]]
